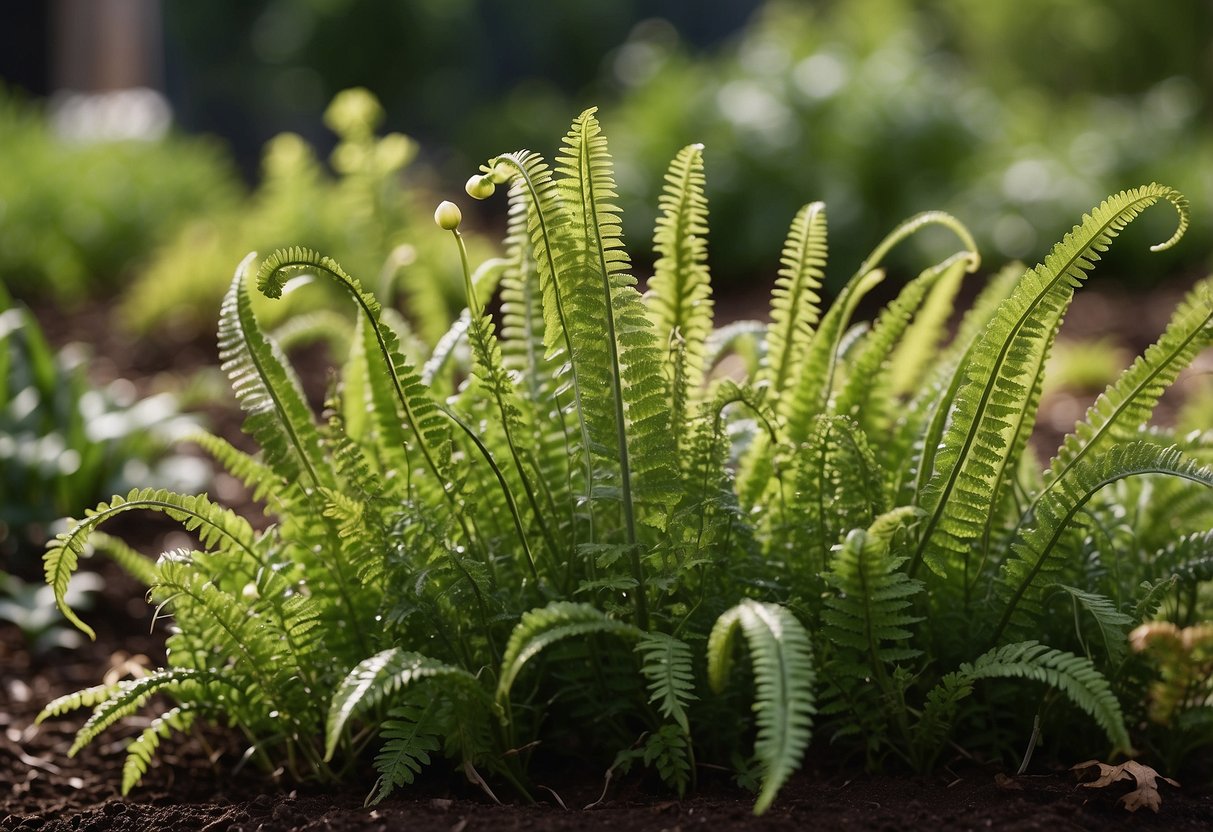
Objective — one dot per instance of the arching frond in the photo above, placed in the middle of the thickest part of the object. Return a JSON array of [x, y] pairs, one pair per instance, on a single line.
[[1037, 557], [1001, 381], [540, 628], [783, 675], [268, 389], [212, 523], [375, 679], [1074, 676]]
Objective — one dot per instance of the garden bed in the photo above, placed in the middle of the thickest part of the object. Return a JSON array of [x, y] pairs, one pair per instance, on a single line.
[[193, 786]]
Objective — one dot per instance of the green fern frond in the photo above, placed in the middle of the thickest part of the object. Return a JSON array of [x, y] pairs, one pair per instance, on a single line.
[[668, 749], [1074, 676], [268, 389], [1036, 554], [540, 628], [139, 751], [666, 663], [412, 399], [782, 658], [1001, 381], [411, 735], [1126, 406], [679, 295], [624, 391], [380, 676], [867, 393], [128, 696], [212, 523], [84, 698], [795, 299], [1112, 623], [866, 614]]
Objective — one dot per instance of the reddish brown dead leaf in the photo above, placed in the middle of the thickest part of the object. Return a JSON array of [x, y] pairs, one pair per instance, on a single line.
[[1007, 783], [1146, 778]]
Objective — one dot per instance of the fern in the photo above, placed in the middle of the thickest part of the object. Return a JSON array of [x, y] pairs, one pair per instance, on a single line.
[[541, 628], [379, 677], [1074, 676], [1035, 556], [1001, 378], [212, 523], [783, 675], [141, 750], [794, 299], [679, 295], [667, 666], [410, 734]]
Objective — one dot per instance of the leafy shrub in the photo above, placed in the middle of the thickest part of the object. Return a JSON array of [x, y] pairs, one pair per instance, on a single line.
[[592, 524], [78, 218], [363, 214], [64, 444]]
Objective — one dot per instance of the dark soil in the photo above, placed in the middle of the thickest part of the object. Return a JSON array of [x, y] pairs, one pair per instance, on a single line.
[[195, 783]]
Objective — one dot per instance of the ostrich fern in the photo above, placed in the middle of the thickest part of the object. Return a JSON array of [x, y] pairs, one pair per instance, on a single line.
[[576, 517]]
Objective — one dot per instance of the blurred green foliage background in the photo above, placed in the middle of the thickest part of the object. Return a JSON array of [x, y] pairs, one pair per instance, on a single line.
[[1014, 117]]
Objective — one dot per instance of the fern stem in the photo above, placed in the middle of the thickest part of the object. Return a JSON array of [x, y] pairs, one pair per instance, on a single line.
[[542, 220], [478, 330], [590, 205]]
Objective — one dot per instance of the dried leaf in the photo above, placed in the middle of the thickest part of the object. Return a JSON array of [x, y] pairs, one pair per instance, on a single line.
[[1007, 783], [1146, 793]]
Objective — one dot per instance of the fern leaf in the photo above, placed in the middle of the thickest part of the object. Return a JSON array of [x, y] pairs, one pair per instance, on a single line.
[[1000, 381], [430, 429], [84, 698], [1112, 623], [783, 673], [1127, 404], [679, 295], [410, 734], [868, 389], [795, 300], [667, 666], [1075, 676], [139, 751], [866, 613], [212, 523], [268, 389], [128, 696], [1036, 557], [624, 392], [133, 563], [379, 677], [540, 628]]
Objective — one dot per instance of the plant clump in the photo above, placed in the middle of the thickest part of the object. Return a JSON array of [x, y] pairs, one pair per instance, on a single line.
[[568, 516]]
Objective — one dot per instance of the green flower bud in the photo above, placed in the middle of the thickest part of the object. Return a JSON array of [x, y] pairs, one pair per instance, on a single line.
[[480, 187], [448, 216]]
